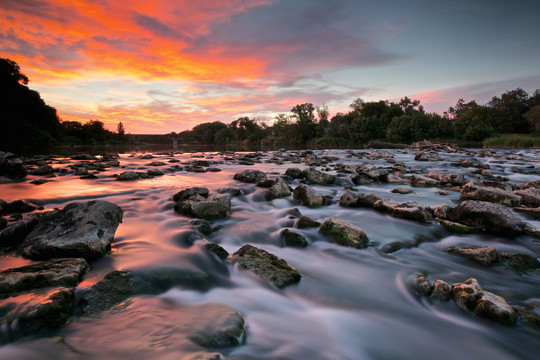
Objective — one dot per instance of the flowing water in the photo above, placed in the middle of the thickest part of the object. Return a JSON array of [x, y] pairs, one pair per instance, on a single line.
[[349, 304]]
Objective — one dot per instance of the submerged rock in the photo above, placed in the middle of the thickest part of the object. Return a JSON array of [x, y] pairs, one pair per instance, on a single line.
[[84, 229], [55, 272], [306, 222], [492, 218], [265, 265], [485, 255], [32, 312], [343, 233], [521, 262], [150, 328], [293, 239]]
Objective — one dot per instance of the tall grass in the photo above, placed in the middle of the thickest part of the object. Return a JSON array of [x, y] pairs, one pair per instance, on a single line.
[[512, 141]]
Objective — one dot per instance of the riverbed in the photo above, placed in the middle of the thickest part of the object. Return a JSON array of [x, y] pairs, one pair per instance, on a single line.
[[349, 304]]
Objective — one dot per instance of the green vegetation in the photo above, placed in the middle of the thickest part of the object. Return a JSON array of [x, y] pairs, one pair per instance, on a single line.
[[31, 126], [513, 119], [513, 141]]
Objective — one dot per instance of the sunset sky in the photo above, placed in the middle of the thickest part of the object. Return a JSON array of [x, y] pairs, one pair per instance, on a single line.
[[166, 65]]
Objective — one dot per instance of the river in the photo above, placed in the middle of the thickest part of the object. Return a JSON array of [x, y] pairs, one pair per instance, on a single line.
[[349, 304]]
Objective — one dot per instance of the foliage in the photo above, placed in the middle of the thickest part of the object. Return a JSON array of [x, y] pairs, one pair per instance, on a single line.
[[512, 140]]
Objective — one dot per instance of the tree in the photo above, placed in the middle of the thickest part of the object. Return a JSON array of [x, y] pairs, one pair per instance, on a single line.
[[11, 72], [120, 130], [471, 120], [507, 112], [305, 127]]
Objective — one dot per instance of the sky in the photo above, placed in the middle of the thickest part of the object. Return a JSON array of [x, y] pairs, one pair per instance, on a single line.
[[167, 65]]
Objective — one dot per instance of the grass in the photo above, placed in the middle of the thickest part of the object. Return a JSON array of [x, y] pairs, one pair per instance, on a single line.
[[512, 141]]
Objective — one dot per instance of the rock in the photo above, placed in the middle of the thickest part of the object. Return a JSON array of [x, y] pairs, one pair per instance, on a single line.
[[55, 272], [155, 328], [421, 285], [343, 233], [155, 172], [412, 211], [202, 226], [394, 179], [12, 166], [15, 234], [441, 291], [447, 179], [295, 173], [128, 176], [83, 157], [217, 250], [358, 199], [441, 211], [402, 191], [521, 262], [419, 180], [318, 177], [378, 175], [3, 225], [492, 218], [385, 205], [114, 288], [467, 294], [427, 157], [216, 206], [528, 316], [456, 228], [309, 196], [189, 193], [265, 265], [158, 163], [472, 191], [485, 255], [279, 189], [83, 229], [43, 170], [306, 222], [529, 196], [293, 239], [20, 206], [32, 312], [146, 156], [266, 183], [494, 307], [250, 176]]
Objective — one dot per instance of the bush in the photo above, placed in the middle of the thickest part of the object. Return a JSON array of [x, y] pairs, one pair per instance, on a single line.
[[512, 140]]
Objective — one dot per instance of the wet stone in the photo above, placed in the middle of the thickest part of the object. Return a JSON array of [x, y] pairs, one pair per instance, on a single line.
[[265, 265], [306, 222], [485, 255], [293, 239], [521, 262], [343, 233]]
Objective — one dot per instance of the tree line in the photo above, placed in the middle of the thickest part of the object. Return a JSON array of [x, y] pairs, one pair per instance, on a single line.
[[30, 126], [405, 121]]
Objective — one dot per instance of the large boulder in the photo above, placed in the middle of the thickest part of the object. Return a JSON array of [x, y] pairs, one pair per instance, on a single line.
[[343, 233], [309, 196], [490, 217], [216, 206], [83, 229], [473, 191], [279, 189], [265, 265], [55, 272], [318, 177]]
